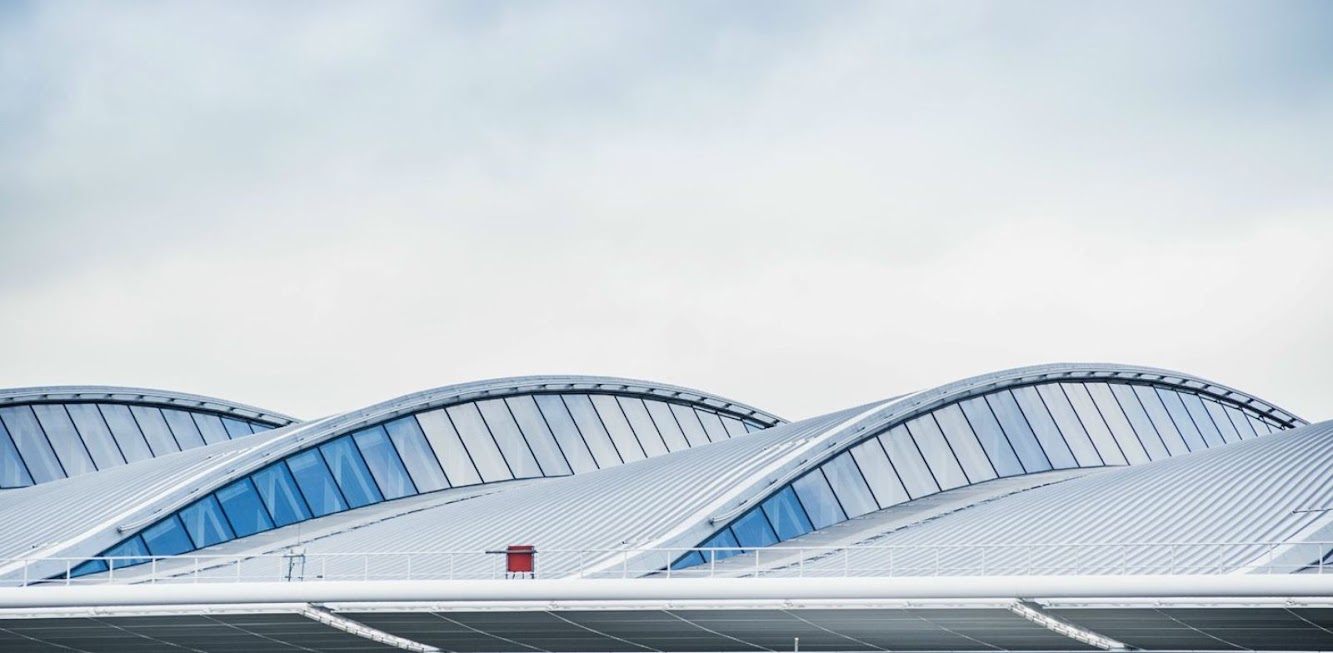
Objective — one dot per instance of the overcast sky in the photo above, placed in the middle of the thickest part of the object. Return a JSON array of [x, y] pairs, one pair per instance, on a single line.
[[802, 206]]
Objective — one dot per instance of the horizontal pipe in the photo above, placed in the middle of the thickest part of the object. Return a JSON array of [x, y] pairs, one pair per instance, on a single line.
[[444, 592]]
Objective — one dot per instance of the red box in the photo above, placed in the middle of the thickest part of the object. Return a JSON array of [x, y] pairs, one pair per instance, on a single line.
[[520, 558]]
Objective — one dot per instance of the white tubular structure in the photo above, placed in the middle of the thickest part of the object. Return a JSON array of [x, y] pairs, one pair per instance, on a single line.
[[654, 593]]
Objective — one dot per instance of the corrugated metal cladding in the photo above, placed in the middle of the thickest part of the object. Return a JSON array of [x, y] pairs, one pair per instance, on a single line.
[[586, 464]]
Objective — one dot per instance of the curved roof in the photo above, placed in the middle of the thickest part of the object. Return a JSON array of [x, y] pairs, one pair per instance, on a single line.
[[51, 433], [610, 420], [140, 396]]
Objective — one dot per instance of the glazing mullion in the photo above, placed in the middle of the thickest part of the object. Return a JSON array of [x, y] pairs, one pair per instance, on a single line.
[[1139, 391], [1129, 389], [78, 435], [1100, 417], [4, 431], [1232, 412], [434, 454], [635, 431], [879, 440], [524, 435], [949, 446], [1165, 396], [600, 420], [54, 457], [981, 447], [499, 450], [985, 400], [558, 447], [1040, 447], [109, 433], [458, 435], [864, 481], [1046, 405]]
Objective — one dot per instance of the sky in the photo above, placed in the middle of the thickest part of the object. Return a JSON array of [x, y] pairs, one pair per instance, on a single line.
[[803, 206]]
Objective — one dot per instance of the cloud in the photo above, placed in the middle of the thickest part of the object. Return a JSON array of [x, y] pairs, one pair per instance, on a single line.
[[312, 207]]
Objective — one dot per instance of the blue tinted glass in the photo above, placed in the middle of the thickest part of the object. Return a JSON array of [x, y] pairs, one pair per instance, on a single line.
[[316, 484], [1129, 402], [722, 540], [210, 426], [132, 550], [278, 491], [879, 474], [688, 560], [907, 461], [1181, 418], [1166, 428], [89, 567], [183, 427], [31, 443], [786, 514], [1058, 452], [1020, 435], [1069, 424], [241, 502], [64, 439], [88, 420], [1093, 422], [383, 462], [155, 430], [12, 471], [752, 427], [1202, 420], [848, 485], [126, 432], [666, 425], [935, 449], [991, 436], [752, 530], [566, 434], [236, 428], [167, 538], [421, 463], [204, 522], [350, 472], [820, 503]]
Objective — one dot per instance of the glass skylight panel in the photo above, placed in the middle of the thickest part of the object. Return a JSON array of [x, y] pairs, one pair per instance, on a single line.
[[958, 432], [1115, 419], [712, 425], [752, 530], [205, 523], [317, 485], [1242, 425], [786, 515], [281, 497], [1175, 408], [618, 427], [538, 436], [126, 432], [31, 443], [96, 435], [690, 425], [1202, 419], [416, 454], [1020, 434], [567, 435], [849, 486], [1071, 428], [12, 471], [912, 469], [382, 459], [236, 428], [992, 438], [725, 542], [210, 426], [167, 538], [1152, 441], [930, 441], [821, 505], [590, 425], [879, 474], [1219, 415], [1093, 422], [155, 430], [350, 472], [666, 424], [243, 507], [734, 426], [448, 448], [183, 428], [64, 439], [479, 442], [1161, 420], [643, 426], [1058, 452], [513, 445]]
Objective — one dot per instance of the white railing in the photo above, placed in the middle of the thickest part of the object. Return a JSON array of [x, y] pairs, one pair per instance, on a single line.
[[295, 565]]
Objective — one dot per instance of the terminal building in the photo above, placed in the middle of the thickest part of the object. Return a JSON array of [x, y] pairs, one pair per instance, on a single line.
[[1056, 507]]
